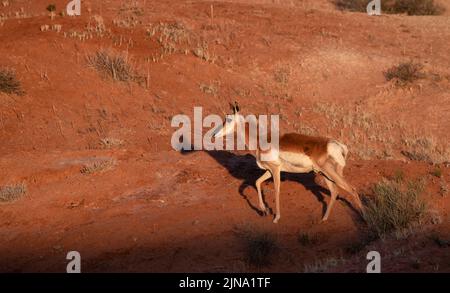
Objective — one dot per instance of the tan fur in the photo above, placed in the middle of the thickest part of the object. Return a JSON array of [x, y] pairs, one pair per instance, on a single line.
[[302, 154]]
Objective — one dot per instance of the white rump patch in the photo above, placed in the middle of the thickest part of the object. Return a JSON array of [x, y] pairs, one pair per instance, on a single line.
[[297, 159], [337, 151]]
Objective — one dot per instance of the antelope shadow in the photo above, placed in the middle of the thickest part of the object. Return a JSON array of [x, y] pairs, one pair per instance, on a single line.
[[244, 168]]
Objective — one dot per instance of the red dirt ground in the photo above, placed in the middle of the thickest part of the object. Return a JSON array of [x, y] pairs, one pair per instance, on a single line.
[[158, 210]]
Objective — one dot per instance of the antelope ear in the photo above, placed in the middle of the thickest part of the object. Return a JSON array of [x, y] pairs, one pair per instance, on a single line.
[[236, 105], [233, 108]]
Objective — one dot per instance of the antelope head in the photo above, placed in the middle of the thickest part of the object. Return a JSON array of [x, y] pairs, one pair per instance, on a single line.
[[230, 122]]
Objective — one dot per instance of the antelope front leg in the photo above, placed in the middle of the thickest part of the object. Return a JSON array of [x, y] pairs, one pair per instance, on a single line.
[[258, 183], [276, 179]]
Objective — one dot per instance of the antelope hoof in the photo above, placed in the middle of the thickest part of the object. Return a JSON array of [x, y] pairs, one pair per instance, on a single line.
[[324, 219], [264, 211], [277, 218]]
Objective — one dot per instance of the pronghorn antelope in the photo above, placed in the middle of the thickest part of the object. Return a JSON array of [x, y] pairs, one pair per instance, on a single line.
[[297, 153]]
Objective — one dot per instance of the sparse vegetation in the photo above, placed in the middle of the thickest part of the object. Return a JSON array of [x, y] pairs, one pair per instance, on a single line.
[[321, 266], [259, 247], [51, 8], [210, 89], [202, 52], [410, 7], [97, 166], [404, 73], [282, 75], [394, 206], [12, 192], [426, 149], [414, 7], [9, 83], [115, 66], [442, 243], [398, 176], [173, 37], [437, 172], [111, 142], [356, 247], [306, 239], [177, 38], [129, 15]]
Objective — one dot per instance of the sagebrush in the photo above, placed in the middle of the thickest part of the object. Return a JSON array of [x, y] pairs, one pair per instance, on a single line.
[[395, 205], [115, 66], [404, 73]]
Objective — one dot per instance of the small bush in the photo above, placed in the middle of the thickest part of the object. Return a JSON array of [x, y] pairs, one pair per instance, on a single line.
[[404, 73], [394, 206], [114, 66], [259, 247], [12, 192], [411, 7], [9, 83]]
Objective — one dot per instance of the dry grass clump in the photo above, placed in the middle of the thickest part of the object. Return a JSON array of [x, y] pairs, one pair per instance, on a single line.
[[425, 149], [97, 166], [111, 142], [352, 5], [260, 247], [129, 15], [404, 73], [210, 89], [12, 192], [173, 37], [410, 7], [306, 239], [395, 205], [323, 265], [413, 7], [115, 66], [9, 83], [177, 38]]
